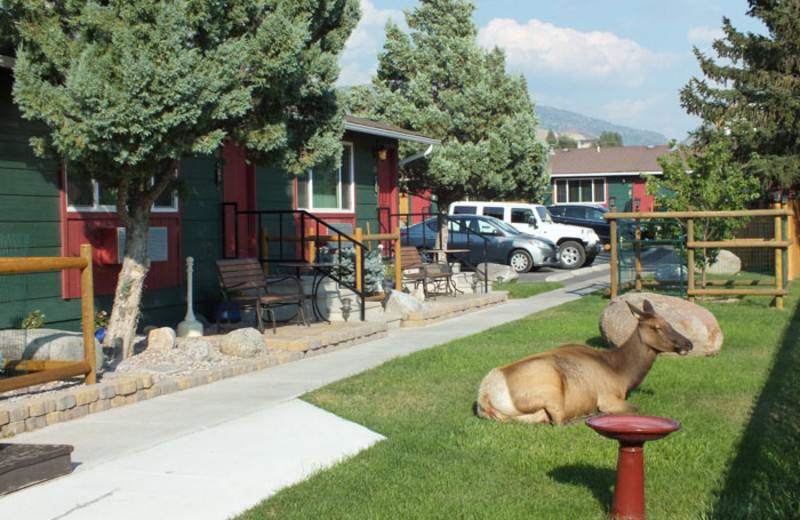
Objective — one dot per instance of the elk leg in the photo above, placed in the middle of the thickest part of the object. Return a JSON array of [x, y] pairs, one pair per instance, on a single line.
[[616, 405], [537, 417]]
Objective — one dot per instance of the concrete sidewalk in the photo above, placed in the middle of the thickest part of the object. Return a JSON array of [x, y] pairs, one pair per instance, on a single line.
[[214, 451]]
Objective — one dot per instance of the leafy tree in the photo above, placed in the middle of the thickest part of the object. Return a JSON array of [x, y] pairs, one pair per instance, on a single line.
[[127, 89], [437, 81], [751, 91], [706, 181], [609, 140], [566, 142]]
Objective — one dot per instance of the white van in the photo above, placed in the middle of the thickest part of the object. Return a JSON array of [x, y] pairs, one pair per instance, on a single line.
[[577, 246]]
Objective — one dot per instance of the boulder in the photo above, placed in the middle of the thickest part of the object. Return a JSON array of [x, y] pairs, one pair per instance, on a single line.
[[617, 323], [672, 273], [494, 271], [401, 303], [46, 344], [244, 343], [161, 339], [727, 264]]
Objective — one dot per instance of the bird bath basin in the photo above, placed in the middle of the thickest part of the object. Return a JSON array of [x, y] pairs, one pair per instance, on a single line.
[[631, 431]]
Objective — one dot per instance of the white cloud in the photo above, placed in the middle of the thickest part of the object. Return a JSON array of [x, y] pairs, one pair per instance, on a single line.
[[546, 48], [703, 36], [359, 59]]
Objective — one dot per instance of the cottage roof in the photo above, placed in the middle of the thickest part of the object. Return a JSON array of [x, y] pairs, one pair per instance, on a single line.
[[619, 160], [367, 126]]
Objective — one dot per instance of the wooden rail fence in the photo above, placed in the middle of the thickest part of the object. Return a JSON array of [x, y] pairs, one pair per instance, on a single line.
[[45, 371], [779, 243]]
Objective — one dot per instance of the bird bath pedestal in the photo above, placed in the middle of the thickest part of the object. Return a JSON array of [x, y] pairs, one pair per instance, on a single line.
[[632, 431]]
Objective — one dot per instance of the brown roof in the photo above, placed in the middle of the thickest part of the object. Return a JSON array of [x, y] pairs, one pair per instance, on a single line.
[[607, 161], [368, 126]]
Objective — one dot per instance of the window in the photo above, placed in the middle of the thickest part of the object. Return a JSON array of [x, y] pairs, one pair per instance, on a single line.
[[331, 190], [580, 190], [493, 212], [85, 194], [521, 215], [465, 210], [575, 212]]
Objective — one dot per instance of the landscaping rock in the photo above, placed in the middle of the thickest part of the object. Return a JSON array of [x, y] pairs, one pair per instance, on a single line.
[[617, 323], [46, 344], [672, 273], [245, 343], [727, 264], [161, 339], [401, 303], [493, 271]]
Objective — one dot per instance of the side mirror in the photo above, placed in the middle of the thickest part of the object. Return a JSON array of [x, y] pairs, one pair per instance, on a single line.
[[532, 222]]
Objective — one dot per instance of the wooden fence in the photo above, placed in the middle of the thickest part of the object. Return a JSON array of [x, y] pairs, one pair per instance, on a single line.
[[780, 243], [53, 370]]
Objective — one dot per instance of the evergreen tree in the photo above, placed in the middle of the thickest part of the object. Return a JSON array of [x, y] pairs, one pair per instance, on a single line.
[[751, 92], [437, 81], [127, 89]]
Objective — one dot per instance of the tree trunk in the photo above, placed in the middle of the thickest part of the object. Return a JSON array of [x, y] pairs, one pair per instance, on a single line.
[[125, 313]]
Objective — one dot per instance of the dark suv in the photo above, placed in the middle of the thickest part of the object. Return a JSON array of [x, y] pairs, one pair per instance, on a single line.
[[586, 215]]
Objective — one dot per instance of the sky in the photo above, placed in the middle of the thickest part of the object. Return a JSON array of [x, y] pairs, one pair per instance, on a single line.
[[623, 61]]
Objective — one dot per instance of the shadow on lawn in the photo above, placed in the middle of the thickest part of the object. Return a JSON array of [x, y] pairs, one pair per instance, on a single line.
[[597, 480], [764, 480]]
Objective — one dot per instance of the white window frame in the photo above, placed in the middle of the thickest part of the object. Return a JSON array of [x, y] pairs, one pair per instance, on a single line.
[[96, 207], [347, 175], [595, 198]]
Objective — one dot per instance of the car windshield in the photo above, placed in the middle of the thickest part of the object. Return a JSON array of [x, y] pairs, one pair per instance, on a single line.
[[508, 228], [544, 214]]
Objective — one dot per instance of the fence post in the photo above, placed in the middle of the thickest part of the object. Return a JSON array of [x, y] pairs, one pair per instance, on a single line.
[[87, 314], [614, 260], [359, 237], [690, 258], [312, 245], [637, 256], [398, 269], [778, 223]]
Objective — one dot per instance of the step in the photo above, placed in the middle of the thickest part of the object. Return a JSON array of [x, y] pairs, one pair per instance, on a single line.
[[22, 465]]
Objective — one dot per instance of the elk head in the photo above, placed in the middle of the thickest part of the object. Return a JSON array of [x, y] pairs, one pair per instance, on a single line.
[[656, 333]]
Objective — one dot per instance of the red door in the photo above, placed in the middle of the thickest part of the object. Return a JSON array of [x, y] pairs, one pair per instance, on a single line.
[[239, 187], [387, 190], [640, 194]]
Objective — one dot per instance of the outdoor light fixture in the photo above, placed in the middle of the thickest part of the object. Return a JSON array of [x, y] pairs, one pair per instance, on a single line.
[[382, 153], [612, 203]]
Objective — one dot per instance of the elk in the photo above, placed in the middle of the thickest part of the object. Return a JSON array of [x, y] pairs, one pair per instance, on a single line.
[[573, 380]]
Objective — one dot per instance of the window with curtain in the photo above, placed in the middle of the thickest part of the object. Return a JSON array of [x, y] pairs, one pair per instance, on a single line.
[[580, 190], [328, 190]]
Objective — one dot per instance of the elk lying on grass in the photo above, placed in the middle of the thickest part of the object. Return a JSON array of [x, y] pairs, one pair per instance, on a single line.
[[573, 380]]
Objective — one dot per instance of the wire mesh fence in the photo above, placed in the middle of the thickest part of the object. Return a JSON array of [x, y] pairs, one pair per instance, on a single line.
[[680, 254]]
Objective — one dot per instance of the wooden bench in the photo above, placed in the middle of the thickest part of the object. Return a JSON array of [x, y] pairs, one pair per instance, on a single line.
[[243, 283], [423, 273]]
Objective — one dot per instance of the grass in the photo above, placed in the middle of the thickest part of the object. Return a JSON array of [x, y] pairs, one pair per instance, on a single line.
[[736, 456], [517, 289]]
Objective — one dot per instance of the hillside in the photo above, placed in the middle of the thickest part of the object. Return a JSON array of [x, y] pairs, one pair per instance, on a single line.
[[563, 121]]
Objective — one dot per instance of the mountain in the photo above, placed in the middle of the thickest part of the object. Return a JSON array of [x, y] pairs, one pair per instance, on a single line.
[[563, 121]]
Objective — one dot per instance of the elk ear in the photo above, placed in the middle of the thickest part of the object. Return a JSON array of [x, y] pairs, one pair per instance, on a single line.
[[648, 307], [636, 312]]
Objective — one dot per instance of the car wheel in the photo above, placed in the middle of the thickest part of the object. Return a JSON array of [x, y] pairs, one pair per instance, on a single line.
[[520, 261], [571, 255], [589, 261]]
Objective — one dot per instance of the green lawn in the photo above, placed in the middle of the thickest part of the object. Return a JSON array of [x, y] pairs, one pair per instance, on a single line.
[[737, 455], [517, 289]]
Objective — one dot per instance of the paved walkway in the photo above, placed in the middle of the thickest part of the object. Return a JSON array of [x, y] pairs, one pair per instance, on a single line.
[[214, 451]]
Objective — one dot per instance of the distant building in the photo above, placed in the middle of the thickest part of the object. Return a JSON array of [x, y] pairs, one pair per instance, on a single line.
[[604, 175]]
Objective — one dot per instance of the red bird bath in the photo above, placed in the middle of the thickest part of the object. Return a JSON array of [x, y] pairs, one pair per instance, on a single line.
[[632, 431]]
